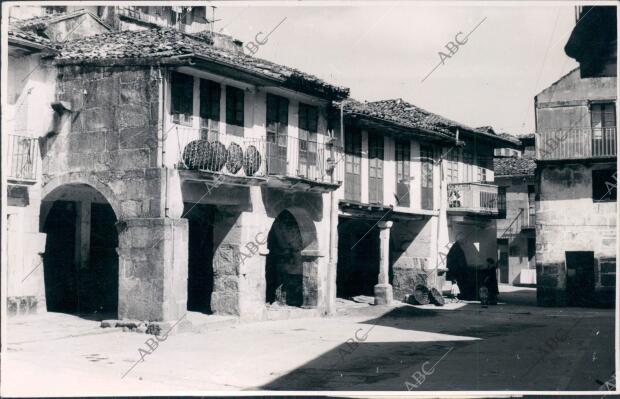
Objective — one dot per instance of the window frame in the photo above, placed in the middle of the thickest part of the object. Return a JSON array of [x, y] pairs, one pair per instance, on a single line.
[[209, 113], [180, 101], [235, 111], [610, 187]]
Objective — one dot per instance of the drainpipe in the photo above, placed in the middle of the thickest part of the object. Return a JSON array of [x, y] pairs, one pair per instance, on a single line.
[[160, 135]]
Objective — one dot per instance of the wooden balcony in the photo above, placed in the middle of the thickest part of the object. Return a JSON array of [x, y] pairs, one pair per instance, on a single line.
[[281, 161], [473, 198], [580, 143], [23, 159]]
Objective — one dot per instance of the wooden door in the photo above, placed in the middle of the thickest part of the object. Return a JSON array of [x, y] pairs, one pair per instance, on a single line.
[[375, 168]]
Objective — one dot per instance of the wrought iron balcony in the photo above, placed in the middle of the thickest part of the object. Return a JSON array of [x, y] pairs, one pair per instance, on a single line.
[[22, 155], [578, 143], [284, 157], [476, 198]]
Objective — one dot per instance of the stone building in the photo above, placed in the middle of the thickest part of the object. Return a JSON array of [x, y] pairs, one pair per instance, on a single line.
[[418, 201], [576, 145], [516, 225], [174, 173], [168, 172]]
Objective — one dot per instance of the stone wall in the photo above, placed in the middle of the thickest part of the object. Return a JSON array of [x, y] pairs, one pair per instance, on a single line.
[[569, 220], [110, 136]]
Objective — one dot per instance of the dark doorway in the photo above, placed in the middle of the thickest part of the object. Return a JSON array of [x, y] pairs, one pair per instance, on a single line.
[[358, 258], [200, 218], [459, 272], [580, 278], [284, 266], [80, 283], [59, 268], [101, 288]]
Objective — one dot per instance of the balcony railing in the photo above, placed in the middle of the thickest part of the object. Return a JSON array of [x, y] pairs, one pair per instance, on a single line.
[[478, 198], [579, 143], [162, 20], [283, 156], [22, 155]]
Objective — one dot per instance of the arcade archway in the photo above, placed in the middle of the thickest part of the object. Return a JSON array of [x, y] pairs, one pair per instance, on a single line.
[[80, 263]]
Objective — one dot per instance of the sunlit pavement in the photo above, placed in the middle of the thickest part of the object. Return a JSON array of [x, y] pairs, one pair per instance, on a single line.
[[512, 346]]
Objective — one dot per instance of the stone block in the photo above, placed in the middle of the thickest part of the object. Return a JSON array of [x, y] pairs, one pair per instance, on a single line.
[[95, 119], [132, 115]]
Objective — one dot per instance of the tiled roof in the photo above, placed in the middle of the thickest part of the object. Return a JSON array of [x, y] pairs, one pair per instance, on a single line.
[[513, 139], [408, 115], [33, 29], [30, 37], [162, 42], [513, 166]]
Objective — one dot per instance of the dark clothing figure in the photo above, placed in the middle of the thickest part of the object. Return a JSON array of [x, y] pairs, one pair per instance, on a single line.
[[490, 283]]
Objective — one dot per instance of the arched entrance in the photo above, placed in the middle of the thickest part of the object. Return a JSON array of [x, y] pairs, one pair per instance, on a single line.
[[284, 266], [458, 271], [80, 263]]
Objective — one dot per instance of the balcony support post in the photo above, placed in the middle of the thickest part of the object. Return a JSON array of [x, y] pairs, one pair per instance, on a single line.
[[383, 290]]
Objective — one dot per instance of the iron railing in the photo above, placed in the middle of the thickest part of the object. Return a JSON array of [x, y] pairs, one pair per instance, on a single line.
[[22, 155], [282, 155], [576, 143], [523, 220], [473, 197]]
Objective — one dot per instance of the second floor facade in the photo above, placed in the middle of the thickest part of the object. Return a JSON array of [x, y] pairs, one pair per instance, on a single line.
[[391, 161], [576, 119]]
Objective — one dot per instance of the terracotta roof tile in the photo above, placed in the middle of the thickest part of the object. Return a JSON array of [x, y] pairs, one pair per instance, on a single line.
[[514, 166], [162, 42], [408, 115]]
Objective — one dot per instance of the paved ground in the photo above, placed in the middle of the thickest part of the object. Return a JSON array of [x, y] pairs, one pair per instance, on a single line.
[[504, 347]]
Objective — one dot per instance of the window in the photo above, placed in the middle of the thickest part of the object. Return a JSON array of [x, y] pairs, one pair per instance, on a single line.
[[353, 164], [210, 93], [468, 167], [375, 167], [604, 185], [182, 98], [426, 155], [403, 172], [483, 163], [277, 139], [603, 117], [308, 126], [501, 202], [452, 173], [234, 111]]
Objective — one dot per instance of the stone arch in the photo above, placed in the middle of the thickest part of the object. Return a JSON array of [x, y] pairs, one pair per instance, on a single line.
[[307, 229], [58, 182], [80, 263]]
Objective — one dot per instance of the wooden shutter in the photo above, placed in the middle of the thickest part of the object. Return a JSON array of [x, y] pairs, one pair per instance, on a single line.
[[426, 154], [353, 164], [403, 173], [375, 167]]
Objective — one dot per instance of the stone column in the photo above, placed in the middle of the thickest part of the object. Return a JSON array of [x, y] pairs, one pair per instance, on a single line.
[[152, 269], [383, 290], [310, 278]]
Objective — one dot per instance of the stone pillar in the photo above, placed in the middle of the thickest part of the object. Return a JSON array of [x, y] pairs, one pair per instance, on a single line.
[[383, 290], [152, 269], [310, 279]]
